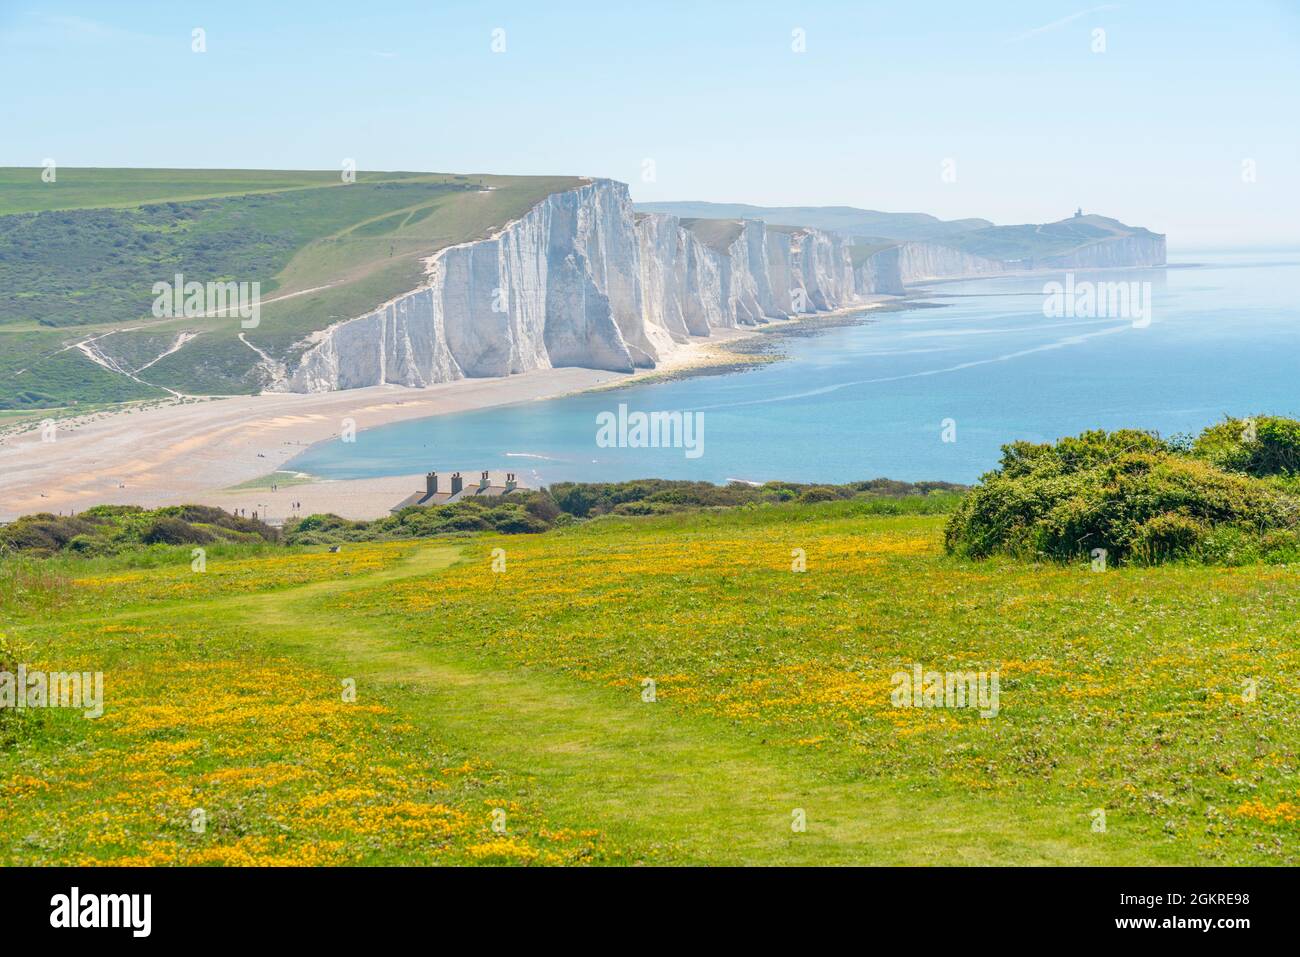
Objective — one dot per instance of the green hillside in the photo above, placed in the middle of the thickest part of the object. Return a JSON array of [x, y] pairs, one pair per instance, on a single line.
[[22, 190], [662, 690], [79, 259]]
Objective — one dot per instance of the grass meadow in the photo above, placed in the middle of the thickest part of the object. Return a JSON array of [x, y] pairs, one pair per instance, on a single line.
[[666, 690]]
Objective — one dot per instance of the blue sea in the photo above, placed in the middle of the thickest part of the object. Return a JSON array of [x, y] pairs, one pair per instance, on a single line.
[[925, 393]]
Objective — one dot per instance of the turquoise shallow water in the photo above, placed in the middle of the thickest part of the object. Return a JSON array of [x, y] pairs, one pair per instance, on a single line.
[[870, 400]]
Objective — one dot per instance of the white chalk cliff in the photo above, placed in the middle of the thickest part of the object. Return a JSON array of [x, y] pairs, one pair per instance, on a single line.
[[581, 280], [919, 261], [922, 261], [1125, 252]]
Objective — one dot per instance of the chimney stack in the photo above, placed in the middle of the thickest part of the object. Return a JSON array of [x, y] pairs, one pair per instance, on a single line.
[[483, 482], [510, 481], [430, 484], [456, 483]]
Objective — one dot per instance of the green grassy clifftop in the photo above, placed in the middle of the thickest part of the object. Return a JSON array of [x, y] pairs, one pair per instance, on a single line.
[[79, 258]]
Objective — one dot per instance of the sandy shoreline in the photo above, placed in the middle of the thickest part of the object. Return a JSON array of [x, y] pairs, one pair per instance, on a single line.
[[193, 450]]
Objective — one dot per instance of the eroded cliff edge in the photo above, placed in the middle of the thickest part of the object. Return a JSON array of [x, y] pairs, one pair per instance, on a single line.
[[582, 280]]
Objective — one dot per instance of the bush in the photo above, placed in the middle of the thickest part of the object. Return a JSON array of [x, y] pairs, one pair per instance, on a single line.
[[106, 530], [1167, 537], [90, 546], [542, 507], [1280, 547], [1141, 499], [1260, 446], [644, 508], [168, 530], [43, 533], [465, 522], [517, 522], [586, 500], [819, 493]]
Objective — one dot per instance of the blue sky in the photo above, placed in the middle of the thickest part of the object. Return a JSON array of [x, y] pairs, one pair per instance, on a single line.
[[1154, 130]]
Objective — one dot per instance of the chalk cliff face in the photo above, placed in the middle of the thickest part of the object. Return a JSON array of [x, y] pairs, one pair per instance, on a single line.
[[919, 261], [559, 286], [879, 273], [763, 273], [579, 280], [664, 263], [402, 341], [582, 280], [811, 270], [1122, 251]]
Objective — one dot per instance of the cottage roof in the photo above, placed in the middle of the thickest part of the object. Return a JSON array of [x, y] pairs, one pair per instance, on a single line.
[[473, 485]]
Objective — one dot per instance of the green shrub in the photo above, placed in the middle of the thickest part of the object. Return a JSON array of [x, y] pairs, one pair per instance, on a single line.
[[527, 511], [1140, 498], [1167, 537], [819, 493], [585, 500], [169, 530], [107, 530], [91, 546], [517, 522], [465, 522], [1279, 547], [644, 508], [1260, 446], [542, 507]]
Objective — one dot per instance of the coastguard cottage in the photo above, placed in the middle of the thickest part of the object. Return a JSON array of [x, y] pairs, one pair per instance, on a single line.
[[441, 490]]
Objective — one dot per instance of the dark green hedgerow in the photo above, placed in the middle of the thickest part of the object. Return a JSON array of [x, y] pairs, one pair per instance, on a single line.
[[650, 496], [520, 513], [112, 529], [568, 502]]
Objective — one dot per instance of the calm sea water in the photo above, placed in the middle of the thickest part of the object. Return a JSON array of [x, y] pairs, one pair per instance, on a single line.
[[871, 400]]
